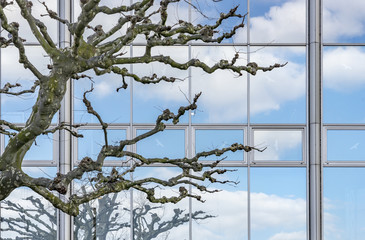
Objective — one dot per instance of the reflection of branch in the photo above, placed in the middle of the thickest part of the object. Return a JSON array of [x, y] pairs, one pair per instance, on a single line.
[[147, 230], [39, 223], [36, 222]]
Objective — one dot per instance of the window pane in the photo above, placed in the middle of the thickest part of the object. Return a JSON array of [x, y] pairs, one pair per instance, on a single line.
[[345, 145], [206, 140], [12, 12], [41, 149], [169, 143], [343, 21], [344, 206], [151, 99], [344, 85], [278, 96], [278, 203], [93, 140], [17, 109], [280, 145], [108, 217], [224, 213], [160, 221], [269, 17], [113, 106], [27, 215], [212, 11], [224, 93]]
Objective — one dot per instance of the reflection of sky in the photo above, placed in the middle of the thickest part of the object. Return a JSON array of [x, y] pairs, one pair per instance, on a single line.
[[41, 149], [17, 108], [93, 140], [206, 140], [101, 97], [169, 143], [344, 208], [280, 145], [344, 84], [12, 12], [283, 191], [345, 145]]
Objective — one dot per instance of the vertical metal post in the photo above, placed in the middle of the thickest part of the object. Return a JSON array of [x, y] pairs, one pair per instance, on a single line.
[[315, 119], [190, 131], [249, 132], [131, 134], [64, 229]]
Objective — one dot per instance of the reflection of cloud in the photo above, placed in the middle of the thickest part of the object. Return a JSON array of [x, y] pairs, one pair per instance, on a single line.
[[337, 73], [285, 23], [343, 19], [278, 143], [267, 211], [13, 14]]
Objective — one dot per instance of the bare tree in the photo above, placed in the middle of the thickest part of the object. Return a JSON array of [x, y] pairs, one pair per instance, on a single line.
[[102, 53], [95, 221]]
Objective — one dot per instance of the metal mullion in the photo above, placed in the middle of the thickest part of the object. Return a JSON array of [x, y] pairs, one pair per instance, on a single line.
[[278, 126], [130, 135], [286, 163], [219, 127], [278, 44], [344, 127], [39, 163], [344, 164], [343, 44]]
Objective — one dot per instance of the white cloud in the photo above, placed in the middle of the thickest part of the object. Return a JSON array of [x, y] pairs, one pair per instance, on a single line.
[[267, 212], [343, 68], [277, 143], [13, 15], [270, 90], [285, 23], [343, 19]]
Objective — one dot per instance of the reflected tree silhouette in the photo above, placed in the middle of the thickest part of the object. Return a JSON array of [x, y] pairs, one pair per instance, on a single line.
[[103, 219]]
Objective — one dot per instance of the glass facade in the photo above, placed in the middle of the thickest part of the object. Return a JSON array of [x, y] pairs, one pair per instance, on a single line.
[[308, 116]]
